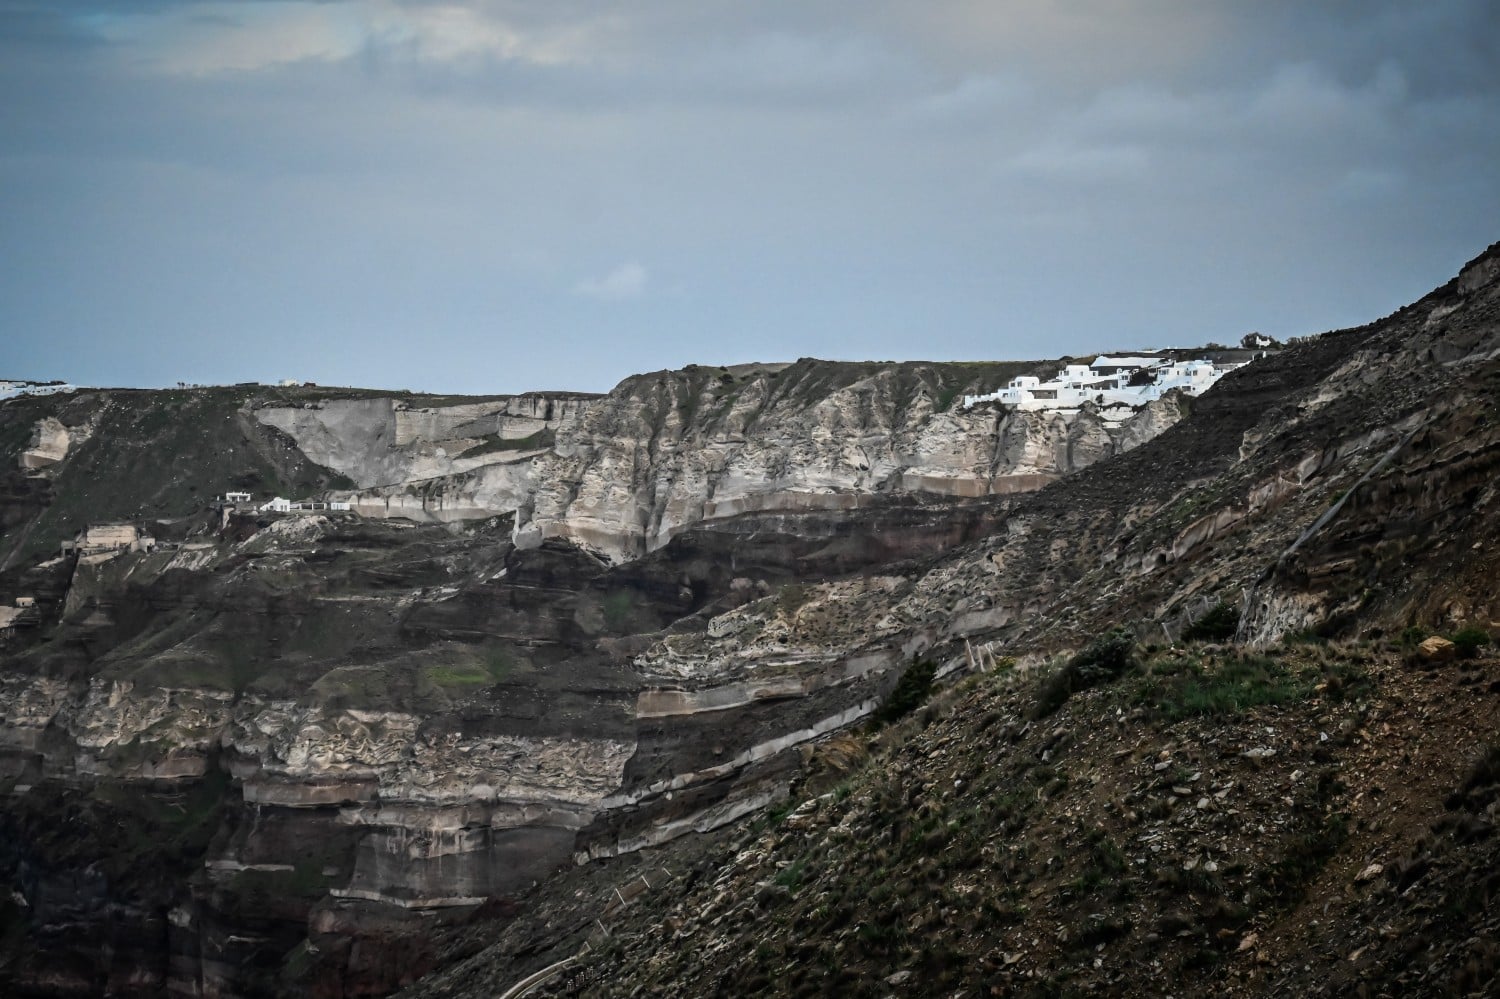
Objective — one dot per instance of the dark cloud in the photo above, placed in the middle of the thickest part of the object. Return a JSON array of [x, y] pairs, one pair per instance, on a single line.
[[510, 195]]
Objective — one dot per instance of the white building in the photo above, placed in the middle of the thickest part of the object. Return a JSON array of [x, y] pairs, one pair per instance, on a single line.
[[12, 389], [98, 538], [282, 505], [1110, 381], [236, 497]]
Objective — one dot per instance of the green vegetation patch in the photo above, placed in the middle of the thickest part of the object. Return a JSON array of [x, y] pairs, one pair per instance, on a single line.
[[1105, 659], [536, 441], [1186, 686], [459, 674], [1468, 641]]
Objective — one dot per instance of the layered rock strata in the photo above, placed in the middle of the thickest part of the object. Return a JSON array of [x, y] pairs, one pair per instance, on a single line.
[[624, 473], [390, 721]]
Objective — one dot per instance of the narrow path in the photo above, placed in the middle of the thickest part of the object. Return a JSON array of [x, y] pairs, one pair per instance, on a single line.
[[551, 971], [536, 978]]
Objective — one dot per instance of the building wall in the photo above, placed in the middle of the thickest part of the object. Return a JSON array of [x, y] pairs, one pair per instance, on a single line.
[[110, 536]]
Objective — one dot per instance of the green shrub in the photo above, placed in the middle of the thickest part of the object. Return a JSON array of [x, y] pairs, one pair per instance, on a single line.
[[617, 607], [1412, 636], [1103, 660], [1218, 625], [1470, 640], [790, 878], [909, 693]]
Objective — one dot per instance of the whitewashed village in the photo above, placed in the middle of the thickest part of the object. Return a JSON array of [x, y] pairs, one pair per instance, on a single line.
[[1117, 384], [15, 388]]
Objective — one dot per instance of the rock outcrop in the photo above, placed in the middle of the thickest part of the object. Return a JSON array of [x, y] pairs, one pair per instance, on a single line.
[[49, 444]]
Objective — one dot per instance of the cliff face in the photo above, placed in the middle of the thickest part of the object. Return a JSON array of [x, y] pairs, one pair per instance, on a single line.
[[380, 443], [624, 473], [332, 731], [393, 725], [1209, 820], [663, 452], [568, 635]]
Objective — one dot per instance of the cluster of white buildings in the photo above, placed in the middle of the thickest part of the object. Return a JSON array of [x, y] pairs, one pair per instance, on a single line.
[[280, 504], [283, 505], [12, 389], [1109, 382]]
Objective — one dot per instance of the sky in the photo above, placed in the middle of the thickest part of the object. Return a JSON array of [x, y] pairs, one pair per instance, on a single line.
[[554, 194]]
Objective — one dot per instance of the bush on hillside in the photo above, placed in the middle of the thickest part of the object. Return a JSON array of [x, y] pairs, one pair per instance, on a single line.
[[1470, 640], [910, 691], [1412, 636], [1218, 625], [1104, 659]]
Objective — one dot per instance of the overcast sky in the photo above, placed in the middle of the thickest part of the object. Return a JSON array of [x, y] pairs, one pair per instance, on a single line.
[[501, 196]]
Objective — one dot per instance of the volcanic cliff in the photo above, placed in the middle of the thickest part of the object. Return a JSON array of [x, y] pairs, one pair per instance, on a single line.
[[322, 732], [562, 644]]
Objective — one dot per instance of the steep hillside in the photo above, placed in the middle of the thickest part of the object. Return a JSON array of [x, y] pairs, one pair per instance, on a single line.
[[332, 729], [1242, 819], [565, 644], [1209, 823]]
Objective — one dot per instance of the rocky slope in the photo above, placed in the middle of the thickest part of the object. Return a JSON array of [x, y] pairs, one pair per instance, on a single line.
[[1209, 820], [1208, 824], [329, 732], [343, 738]]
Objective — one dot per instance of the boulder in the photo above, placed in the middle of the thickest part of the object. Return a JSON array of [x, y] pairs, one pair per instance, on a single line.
[[1437, 650]]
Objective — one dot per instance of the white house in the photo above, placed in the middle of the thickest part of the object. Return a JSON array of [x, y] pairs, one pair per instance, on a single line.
[[236, 497], [11, 389], [282, 505], [1110, 381], [1114, 364], [98, 538]]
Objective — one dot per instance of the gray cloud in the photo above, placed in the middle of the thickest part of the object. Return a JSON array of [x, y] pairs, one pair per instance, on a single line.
[[366, 190], [626, 281]]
